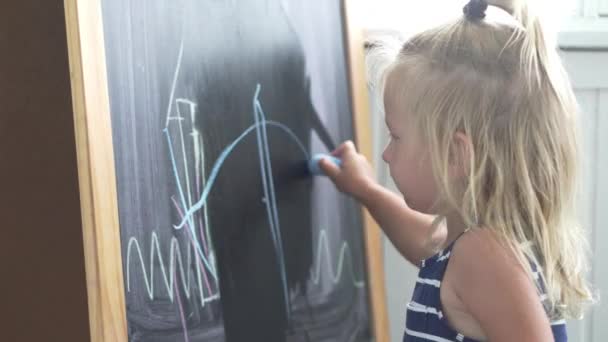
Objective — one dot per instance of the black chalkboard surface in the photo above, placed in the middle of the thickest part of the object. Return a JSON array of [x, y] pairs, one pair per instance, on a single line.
[[215, 107]]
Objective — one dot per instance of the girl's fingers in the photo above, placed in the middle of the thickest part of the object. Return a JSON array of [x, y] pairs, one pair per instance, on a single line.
[[329, 168], [344, 147]]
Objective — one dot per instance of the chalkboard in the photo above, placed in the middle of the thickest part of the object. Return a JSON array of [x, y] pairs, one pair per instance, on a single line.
[[215, 107]]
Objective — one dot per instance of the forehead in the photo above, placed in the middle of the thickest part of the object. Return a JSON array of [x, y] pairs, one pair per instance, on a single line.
[[388, 91], [389, 86], [393, 97]]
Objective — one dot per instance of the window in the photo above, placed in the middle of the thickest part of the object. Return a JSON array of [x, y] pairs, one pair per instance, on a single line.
[[587, 27], [603, 8], [581, 24]]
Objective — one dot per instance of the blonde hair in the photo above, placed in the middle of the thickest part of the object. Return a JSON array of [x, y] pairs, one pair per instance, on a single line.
[[498, 81]]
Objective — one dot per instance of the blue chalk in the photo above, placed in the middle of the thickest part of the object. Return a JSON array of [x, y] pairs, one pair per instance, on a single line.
[[313, 163]]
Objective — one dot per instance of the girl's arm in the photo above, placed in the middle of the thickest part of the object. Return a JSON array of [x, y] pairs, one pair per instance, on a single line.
[[409, 231]]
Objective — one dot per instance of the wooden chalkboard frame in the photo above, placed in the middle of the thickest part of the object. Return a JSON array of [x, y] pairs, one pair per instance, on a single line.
[[97, 180], [362, 121]]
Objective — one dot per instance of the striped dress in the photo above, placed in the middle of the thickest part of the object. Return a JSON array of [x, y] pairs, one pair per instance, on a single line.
[[425, 320]]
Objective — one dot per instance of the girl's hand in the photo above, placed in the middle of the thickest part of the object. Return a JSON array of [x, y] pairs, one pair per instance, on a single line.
[[355, 177]]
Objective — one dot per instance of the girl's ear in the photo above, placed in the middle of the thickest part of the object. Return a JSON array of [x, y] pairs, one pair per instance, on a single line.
[[460, 155]]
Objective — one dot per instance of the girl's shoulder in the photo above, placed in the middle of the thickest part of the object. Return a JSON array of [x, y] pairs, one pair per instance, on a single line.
[[479, 252], [487, 277]]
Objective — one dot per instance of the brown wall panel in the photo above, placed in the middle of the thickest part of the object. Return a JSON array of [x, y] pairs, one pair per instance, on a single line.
[[42, 282]]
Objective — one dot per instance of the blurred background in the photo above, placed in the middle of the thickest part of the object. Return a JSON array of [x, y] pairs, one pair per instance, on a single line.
[[580, 28]]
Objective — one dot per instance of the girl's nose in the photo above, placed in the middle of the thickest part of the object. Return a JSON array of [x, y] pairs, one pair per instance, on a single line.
[[385, 154]]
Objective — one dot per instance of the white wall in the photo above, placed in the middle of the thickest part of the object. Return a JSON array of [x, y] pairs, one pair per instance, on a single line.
[[589, 74]]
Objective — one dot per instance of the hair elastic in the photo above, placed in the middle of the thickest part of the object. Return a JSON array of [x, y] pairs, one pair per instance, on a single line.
[[475, 9]]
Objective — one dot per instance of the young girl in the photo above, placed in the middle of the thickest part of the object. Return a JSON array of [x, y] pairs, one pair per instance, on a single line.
[[483, 149]]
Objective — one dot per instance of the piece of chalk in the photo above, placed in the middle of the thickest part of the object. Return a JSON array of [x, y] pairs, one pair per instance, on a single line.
[[313, 163]]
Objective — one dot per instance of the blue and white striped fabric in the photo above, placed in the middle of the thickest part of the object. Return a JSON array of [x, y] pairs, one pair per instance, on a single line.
[[425, 320]]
